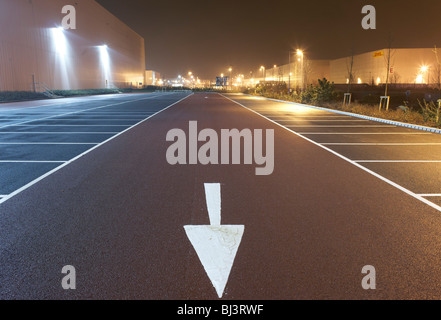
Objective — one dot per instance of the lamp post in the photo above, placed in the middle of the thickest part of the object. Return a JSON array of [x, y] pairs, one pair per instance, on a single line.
[[289, 70], [230, 80], [262, 68], [301, 58]]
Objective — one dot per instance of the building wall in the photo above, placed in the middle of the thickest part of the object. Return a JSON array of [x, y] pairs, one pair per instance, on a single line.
[[152, 78], [368, 68], [33, 49], [405, 67]]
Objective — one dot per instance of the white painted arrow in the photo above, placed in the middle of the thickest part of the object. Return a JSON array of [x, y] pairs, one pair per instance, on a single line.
[[216, 245]]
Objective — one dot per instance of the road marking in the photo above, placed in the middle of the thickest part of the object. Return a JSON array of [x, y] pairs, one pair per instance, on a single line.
[[380, 144], [60, 119], [407, 191], [340, 126], [79, 111], [47, 143], [316, 116], [397, 161], [430, 194], [350, 133], [47, 174], [29, 161], [314, 120], [54, 132], [72, 125], [215, 244]]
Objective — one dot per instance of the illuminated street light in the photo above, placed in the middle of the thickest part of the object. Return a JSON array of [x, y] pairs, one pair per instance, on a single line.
[[425, 69], [301, 58], [262, 68]]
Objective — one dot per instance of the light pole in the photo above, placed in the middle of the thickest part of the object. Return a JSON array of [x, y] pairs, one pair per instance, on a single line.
[[262, 68], [301, 58], [230, 80], [289, 70]]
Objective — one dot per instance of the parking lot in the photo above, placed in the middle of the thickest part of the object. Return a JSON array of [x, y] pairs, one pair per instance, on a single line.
[[409, 159], [39, 137]]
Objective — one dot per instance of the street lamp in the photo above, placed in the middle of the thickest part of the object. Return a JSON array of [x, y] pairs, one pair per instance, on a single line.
[[262, 68], [425, 69], [230, 80], [301, 58]]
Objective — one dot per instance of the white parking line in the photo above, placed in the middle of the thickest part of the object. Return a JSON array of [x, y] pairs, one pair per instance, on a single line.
[[430, 194], [314, 120], [397, 161], [380, 144], [81, 119], [340, 126], [71, 125], [48, 143], [79, 111], [351, 133], [52, 132], [29, 161], [390, 182], [30, 184]]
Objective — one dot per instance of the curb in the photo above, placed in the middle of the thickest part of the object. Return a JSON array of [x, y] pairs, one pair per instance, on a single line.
[[396, 123]]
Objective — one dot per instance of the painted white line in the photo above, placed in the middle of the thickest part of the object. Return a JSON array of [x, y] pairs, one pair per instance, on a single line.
[[47, 143], [350, 133], [299, 116], [412, 194], [66, 101], [380, 144], [29, 161], [397, 161], [79, 111], [396, 123], [215, 244], [339, 126], [315, 120], [54, 132], [72, 125], [80, 119], [47, 174], [430, 194], [213, 199]]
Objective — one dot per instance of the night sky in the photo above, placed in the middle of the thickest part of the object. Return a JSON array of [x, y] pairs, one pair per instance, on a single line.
[[207, 36]]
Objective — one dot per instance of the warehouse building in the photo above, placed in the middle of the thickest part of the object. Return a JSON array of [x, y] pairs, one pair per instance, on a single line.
[[420, 66], [38, 51]]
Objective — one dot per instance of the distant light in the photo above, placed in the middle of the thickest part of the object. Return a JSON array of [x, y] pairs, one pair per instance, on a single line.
[[424, 68], [359, 81], [419, 79], [378, 80], [299, 52]]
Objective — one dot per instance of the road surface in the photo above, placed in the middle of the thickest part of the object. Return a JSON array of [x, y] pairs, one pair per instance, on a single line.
[[87, 184]]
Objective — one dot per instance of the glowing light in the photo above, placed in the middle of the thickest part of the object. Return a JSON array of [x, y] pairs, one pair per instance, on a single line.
[[419, 79], [378, 81], [60, 41], [105, 64], [424, 68], [359, 81]]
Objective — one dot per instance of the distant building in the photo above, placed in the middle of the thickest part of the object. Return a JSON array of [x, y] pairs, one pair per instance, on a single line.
[[36, 51], [407, 66], [152, 78]]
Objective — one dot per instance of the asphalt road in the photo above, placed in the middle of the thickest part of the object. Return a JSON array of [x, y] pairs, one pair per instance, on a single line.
[[116, 211]]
